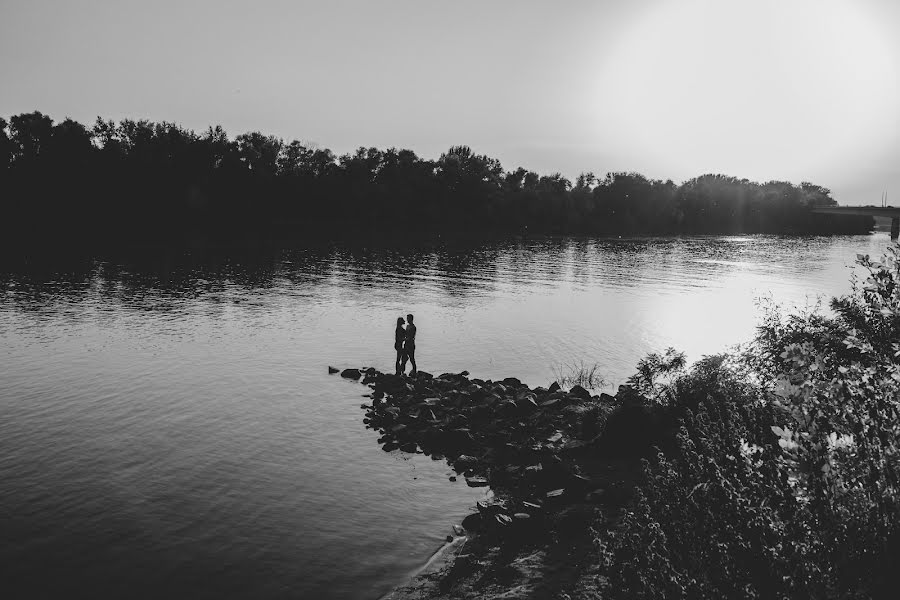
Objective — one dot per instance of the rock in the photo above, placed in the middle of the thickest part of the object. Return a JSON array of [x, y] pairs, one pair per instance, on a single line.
[[472, 523], [458, 530], [554, 387], [409, 447], [464, 374], [449, 538], [580, 482], [351, 374], [457, 438], [604, 397], [332, 370], [527, 404], [511, 382], [452, 478], [489, 508], [513, 469], [509, 408], [580, 393], [464, 462], [572, 445], [596, 495]]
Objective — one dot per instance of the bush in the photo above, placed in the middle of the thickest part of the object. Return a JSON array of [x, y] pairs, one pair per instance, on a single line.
[[785, 480]]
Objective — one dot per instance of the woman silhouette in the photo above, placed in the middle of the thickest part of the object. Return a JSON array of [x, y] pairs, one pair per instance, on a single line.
[[399, 337]]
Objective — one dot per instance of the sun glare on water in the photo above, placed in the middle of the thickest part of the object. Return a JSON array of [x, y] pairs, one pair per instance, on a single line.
[[748, 87]]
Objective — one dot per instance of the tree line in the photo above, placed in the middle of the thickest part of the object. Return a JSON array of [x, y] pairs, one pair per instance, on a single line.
[[143, 181]]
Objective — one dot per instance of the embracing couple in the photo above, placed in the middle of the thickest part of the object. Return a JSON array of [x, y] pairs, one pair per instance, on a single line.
[[405, 345]]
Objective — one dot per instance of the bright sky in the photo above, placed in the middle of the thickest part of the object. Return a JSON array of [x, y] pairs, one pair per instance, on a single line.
[[764, 89]]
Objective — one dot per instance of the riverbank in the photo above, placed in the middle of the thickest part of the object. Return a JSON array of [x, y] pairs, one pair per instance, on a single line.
[[562, 465], [767, 472]]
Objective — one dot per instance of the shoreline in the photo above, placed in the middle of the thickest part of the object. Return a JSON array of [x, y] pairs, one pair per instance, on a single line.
[[422, 582], [561, 464]]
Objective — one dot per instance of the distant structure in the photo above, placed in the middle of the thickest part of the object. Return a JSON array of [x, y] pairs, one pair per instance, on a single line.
[[872, 211]]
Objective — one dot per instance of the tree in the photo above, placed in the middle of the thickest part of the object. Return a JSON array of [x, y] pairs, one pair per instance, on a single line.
[[31, 133], [259, 152], [6, 146]]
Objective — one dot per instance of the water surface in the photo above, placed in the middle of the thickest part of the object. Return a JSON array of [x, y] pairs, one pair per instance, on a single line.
[[167, 426]]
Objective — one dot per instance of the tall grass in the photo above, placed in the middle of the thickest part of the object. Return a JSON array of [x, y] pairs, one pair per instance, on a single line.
[[588, 376]]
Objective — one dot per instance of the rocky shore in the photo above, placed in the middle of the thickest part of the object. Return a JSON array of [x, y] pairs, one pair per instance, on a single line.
[[561, 465]]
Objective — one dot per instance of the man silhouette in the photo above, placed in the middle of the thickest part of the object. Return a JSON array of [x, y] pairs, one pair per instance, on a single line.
[[409, 346]]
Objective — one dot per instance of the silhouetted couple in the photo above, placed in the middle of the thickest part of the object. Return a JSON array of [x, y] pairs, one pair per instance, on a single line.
[[405, 345]]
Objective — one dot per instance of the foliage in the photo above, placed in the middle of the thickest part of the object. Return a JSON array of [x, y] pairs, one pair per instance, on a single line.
[[786, 482], [656, 374], [136, 181]]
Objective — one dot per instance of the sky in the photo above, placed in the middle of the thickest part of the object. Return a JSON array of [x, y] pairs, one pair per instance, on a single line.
[[797, 90]]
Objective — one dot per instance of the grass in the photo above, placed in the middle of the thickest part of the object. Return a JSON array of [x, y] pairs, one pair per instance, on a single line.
[[587, 376]]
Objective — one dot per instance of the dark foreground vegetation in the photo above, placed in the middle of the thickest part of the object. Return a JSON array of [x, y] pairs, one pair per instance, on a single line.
[[143, 182], [771, 472]]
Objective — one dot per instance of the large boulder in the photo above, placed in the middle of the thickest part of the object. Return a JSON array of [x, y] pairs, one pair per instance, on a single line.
[[464, 463], [351, 374], [580, 393], [472, 523]]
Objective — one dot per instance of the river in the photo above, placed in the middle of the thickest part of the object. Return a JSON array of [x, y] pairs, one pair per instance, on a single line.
[[168, 427]]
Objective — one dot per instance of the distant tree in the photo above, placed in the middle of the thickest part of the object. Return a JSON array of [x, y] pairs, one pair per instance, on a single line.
[[259, 152], [6, 146], [31, 133], [218, 151], [71, 142], [144, 180]]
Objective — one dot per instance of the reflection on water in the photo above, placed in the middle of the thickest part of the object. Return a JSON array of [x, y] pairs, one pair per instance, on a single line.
[[166, 424]]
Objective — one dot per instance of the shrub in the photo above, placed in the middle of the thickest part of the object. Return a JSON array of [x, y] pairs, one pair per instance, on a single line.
[[785, 480]]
